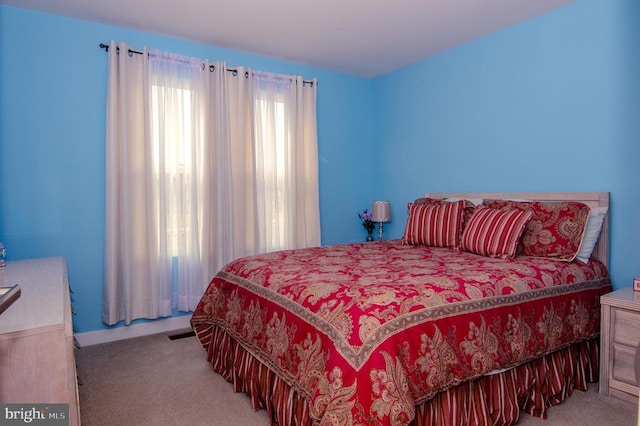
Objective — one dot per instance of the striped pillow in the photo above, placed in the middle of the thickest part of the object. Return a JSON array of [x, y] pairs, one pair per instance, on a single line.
[[469, 205], [433, 225], [494, 233]]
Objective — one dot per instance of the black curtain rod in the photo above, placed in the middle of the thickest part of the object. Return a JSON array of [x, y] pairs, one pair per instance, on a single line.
[[211, 67]]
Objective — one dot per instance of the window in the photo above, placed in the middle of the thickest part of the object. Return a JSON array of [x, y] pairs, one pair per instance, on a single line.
[[271, 149], [173, 158], [174, 154]]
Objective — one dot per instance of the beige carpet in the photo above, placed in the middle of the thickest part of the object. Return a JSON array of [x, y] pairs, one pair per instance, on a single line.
[[156, 381]]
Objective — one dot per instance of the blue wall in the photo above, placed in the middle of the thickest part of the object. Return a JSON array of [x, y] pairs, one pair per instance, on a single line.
[[52, 142], [551, 104]]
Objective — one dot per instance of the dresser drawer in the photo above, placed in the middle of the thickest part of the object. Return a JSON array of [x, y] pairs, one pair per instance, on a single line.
[[626, 327], [624, 364]]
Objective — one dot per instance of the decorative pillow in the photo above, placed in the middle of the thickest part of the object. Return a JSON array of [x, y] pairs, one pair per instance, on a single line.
[[434, 225], [591, 233], [494, 233], [469, 205], [554, 231]]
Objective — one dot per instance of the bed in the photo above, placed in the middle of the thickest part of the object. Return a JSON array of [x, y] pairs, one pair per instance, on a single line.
[[440, 327]]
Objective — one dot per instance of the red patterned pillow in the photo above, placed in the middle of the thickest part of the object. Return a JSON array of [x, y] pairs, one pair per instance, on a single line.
[[494, 233], [555, 229], [434, 225]]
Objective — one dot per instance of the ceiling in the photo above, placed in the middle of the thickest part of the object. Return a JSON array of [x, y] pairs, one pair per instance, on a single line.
[[364, 38]]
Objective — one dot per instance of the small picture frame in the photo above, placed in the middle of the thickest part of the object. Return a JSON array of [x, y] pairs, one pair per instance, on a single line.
[[636, 284]]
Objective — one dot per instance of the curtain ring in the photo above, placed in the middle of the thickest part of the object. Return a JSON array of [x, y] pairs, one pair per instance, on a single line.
[[212, 68]]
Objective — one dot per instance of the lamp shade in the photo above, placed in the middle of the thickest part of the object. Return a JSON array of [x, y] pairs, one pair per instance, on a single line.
[[381, 211]]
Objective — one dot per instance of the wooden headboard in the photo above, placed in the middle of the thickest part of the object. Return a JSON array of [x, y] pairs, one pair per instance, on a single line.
[[592, 199]]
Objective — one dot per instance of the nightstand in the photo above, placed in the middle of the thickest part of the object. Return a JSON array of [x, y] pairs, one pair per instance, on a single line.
[[619, 342]]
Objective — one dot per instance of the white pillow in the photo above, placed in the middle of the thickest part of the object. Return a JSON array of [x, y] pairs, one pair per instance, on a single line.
[[591, 233]]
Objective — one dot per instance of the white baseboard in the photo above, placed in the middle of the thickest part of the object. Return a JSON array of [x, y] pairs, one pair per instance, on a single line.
[[136, 330]]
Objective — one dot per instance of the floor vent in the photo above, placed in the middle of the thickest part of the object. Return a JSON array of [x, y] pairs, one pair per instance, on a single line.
[[182, 335]]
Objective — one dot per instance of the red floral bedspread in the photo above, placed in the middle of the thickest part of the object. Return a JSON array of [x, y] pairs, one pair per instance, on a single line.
[[366, 331]]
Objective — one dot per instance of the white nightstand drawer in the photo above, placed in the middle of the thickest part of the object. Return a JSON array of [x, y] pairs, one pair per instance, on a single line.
[[626, 327], [624, 364]]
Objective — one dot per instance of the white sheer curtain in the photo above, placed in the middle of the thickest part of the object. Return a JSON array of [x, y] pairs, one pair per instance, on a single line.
[[286, 161], [180, 179], [194, 176]]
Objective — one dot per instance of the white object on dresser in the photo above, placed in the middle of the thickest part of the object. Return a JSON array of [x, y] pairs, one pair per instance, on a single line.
[[37, 361], [619, 344]]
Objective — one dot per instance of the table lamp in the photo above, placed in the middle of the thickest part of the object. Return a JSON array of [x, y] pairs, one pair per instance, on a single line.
[[381, 213]]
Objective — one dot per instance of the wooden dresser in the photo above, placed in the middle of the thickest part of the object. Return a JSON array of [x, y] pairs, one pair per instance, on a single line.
[[619, 342], [37, 361]]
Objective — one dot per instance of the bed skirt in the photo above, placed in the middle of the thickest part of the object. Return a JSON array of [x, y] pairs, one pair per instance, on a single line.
[[490, 400]]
